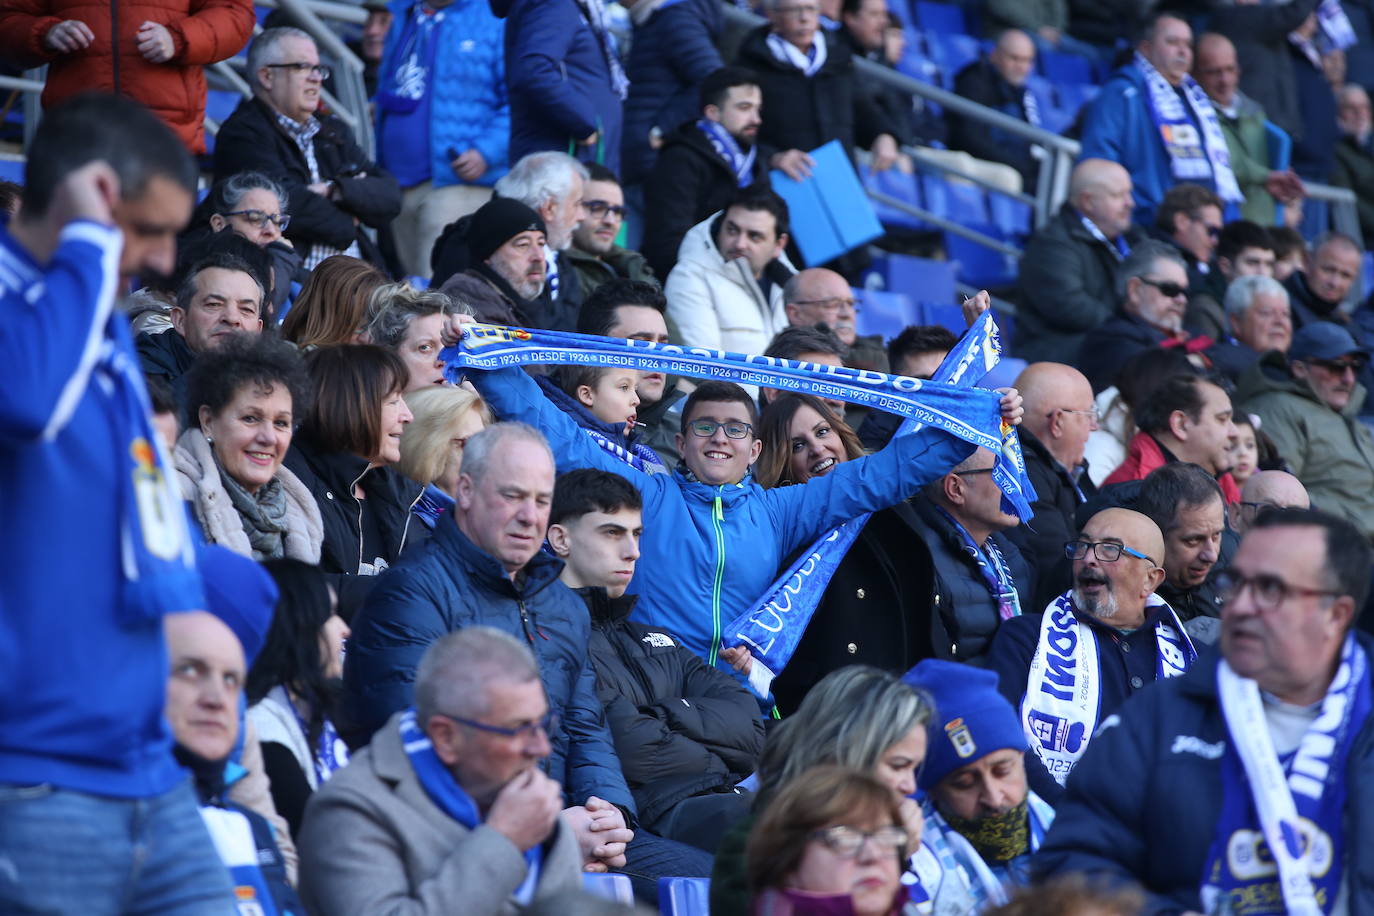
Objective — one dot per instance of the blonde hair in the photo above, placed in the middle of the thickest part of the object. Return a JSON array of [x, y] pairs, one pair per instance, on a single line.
[[425, 441]]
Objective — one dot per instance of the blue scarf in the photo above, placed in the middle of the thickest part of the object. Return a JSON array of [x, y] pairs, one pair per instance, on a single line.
[[594, 12], [728, 148], [1196, 151], [432, 504], [445, 792], [1335, 25], [405, 86], [1280, 840], [992, 566]]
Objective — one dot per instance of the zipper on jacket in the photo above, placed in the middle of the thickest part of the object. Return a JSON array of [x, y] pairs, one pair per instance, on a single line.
[[717, 516], [352, 493], [525, 620]]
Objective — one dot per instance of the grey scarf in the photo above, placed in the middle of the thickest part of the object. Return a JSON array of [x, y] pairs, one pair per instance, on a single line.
[[263, 515]]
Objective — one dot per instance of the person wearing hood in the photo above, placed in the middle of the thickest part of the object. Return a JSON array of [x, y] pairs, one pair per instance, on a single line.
[[602, 400], [726, 292], [1310, 403], [686, 733]]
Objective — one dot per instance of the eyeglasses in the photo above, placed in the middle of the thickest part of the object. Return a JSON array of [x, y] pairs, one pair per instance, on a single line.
[[733, 429], [548, 725], [257, 218], [797, 12], [599, 208], [1213, 232], [1269, 591], [975, 471], [301, 66], [1339, 366], [833, 304], [1106, 551], [1090, 411], [1166, 287], [847, 841]]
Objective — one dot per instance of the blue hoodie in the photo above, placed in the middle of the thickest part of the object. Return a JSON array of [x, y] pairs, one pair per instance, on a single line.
[[81, 690], [709, 552]]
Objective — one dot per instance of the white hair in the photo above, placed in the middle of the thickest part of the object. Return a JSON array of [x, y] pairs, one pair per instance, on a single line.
[[540, 177], [263, 50], [1240, 295]]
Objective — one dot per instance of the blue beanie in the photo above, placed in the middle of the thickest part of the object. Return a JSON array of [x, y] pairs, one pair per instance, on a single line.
[[239, 592], [972, 719]]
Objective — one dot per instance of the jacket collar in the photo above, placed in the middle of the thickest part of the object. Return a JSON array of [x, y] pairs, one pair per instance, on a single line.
[[655, 412], [603, 608], [539, 573], [579, 413]]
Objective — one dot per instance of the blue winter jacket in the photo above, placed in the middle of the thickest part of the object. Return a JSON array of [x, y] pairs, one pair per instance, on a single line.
[[559, 83], [449, 583], [709, 552], [467, 106], [672, 52], [1143, 803], [1118, 127], [81, 690]]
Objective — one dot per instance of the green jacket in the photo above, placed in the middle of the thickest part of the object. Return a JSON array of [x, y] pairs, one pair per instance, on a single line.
[[1331, 453], [1355, 170], [618, 263], [1028, 15], [1249, 147]]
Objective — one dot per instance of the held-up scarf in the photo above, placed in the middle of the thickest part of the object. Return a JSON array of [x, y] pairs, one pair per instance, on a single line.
[[992, 566], [727, 148], [594, 11], [1192, 156], [263, 515], [1280, 836], [445, 792], [1064, 688], [1335, 24]]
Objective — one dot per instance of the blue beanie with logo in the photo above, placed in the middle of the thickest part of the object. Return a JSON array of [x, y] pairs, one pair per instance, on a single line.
[[972, 719]]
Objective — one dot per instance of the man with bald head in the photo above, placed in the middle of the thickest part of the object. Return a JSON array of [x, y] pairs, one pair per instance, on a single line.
[[1267, 490], [1060, 415], [1097, 644], [1067, 281], [1154, 119], [1242, 122], [820, 296], [999, 82]]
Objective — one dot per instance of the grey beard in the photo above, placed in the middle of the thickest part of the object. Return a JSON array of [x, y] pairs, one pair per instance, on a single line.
[[1103, 609]]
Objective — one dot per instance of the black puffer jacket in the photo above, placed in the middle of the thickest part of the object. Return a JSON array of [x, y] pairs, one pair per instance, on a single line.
[[1041, 542], [800, 111], [681, 728]]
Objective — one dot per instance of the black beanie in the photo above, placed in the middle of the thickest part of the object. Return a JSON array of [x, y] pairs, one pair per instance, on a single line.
[[498, 221]]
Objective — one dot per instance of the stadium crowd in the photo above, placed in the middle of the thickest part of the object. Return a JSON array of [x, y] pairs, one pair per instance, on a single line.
[[353, 623]]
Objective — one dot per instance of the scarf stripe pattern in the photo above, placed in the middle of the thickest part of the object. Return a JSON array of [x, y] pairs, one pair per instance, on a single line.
[[1192, 157]]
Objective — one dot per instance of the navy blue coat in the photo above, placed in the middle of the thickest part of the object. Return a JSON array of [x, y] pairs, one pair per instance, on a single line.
[[1142, 804], [558, 83], [449, 584], [672, 52]]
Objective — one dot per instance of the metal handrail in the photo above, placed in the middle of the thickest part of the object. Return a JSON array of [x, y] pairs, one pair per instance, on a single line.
[[327, 9], [1345, 214], [947, 225]]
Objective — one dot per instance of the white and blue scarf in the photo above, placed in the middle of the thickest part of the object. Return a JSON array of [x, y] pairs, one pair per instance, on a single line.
[[637, 455], [445, 792], [1193, 156], [1280, 836], [808, 62], [728, 148], [594, 11], [992, 566], [1064, 688], [1335, 25], [403, 89]]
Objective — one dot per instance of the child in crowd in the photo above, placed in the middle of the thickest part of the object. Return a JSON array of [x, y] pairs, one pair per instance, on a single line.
[[602, 400]]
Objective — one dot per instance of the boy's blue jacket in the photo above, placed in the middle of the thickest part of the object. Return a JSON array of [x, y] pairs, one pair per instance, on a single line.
[[710, 552]]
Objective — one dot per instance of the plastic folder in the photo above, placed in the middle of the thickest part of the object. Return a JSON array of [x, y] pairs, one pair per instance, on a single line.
[[829, 212]]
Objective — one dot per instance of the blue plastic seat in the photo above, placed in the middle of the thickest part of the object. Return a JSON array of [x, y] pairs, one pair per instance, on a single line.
[[955, 200], [953, 53], [609, 887], [1061, 67], [1012, 217], [883, 313], [684, 896], [945, 18], [946, 314], [898, 184], [918, 278], [12, 170], [978, 265]]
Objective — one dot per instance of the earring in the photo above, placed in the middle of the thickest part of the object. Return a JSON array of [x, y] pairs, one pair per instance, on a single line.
[[209, 440]]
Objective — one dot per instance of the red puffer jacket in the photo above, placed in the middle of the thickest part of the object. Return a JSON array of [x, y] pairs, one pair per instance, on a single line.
[[203, 32], [1143, 455]]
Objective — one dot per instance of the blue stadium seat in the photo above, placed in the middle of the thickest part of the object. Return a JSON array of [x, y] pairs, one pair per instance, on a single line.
[[1004, 374], [978, 265], [1061, 67], [684, 896], [898, 184], [953, 53], [947, 314], [954, 199], [900, 273], [941, 17], [883, 313], [12, 170], [1012, 217], [1280, 148], [1073, 96], [609, 887]]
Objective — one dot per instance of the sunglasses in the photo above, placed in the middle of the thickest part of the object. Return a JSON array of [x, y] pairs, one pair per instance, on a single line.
[[1339, 366], [1166, 287]]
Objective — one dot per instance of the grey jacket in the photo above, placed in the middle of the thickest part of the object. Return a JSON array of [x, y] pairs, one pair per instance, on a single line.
[[374, 844]]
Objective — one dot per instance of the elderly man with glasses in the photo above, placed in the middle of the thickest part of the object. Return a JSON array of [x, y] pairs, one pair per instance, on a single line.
[[332, 188], [820, 296], [1310, 403], [1106, 638]]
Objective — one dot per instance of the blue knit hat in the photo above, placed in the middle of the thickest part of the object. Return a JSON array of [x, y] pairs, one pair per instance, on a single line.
[[972, 719], [239, 592]]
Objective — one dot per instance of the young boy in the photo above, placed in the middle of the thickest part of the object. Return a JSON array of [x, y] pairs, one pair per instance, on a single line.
[[602, 400]]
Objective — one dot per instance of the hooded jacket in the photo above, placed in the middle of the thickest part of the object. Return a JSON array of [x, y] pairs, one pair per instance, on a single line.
[[450, 583], [681, 728], [1331, 452], [709, 552], [718, 304]]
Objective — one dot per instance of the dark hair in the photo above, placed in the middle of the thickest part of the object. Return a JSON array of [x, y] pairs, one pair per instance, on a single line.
[[10, 193], [351, 381], [717, 391], [718, 83], [1286, 240], [571, 378], [1267, 457], [1348, 555], [1240, 234], [290, 655], [93, 126], [1184, 198], [916, 339], [760, 199], [1072, 893], [246, 359], [1173, 487], [332, 306], [598, 172], [1148, 27], [791, 342], [597, 315], [160, 395], [852, 6], [1145, 371], [1177, 392], [585, 490], [771, 468], [222, 260]]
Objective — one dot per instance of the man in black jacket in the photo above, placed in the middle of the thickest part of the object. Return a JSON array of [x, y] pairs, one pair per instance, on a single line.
[[999, 82], [332, 187], [703, 164], [686, 733]]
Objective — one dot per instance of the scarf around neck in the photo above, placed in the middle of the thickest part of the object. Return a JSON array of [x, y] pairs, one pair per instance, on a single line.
[[263, 514], [808, 62], [1193, 155], [740, 161], [992, 567]]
